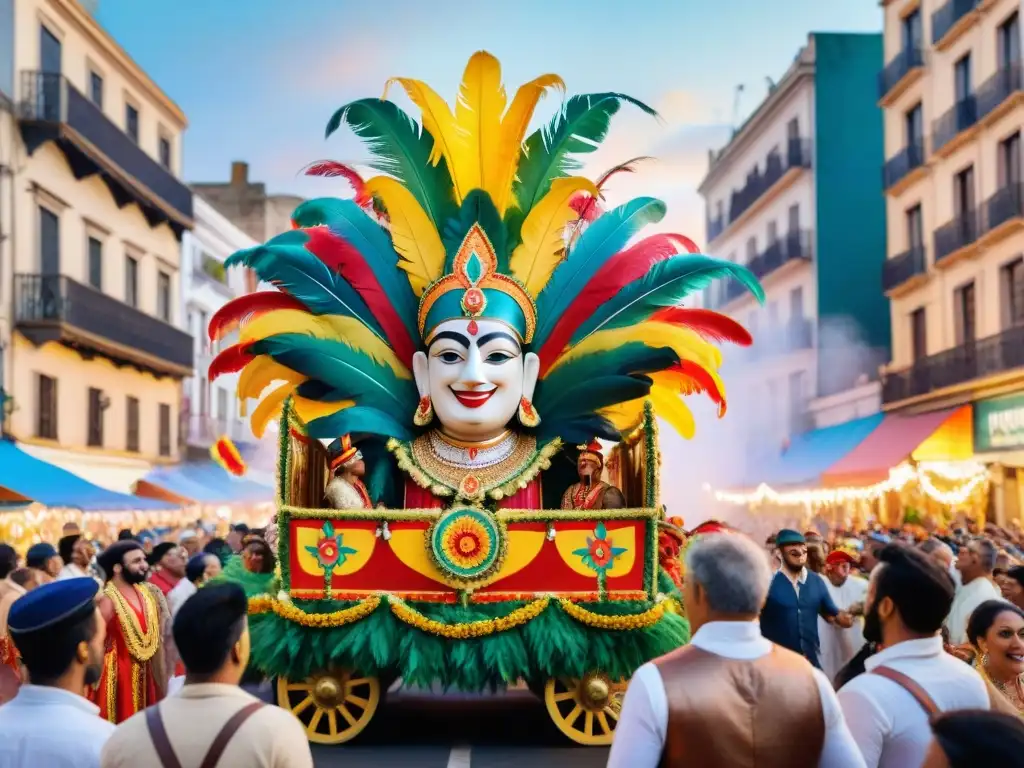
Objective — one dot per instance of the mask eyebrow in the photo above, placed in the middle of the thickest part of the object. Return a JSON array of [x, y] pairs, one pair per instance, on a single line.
[[458, 338], [489, 337]]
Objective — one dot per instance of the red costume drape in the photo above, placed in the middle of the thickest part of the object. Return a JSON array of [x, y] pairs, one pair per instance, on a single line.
[[527, 498]]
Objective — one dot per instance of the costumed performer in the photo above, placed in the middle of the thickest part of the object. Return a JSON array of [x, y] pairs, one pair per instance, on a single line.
[[848, 591], [441, 314], [346, 489], [590, 491], [135, 670]]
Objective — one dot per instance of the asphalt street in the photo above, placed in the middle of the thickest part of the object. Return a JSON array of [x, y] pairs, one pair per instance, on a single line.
[[435, 730]]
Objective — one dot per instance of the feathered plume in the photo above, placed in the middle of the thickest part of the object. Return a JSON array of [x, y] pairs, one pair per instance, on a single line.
[[332, 169]]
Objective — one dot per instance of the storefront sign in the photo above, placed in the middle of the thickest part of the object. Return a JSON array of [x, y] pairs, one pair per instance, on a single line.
[[999, 424]]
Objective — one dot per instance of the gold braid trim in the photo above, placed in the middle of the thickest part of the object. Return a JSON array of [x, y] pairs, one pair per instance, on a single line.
[[110, 686], [142, 646]]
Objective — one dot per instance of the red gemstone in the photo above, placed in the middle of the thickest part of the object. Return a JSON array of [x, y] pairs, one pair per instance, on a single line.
[[424, 404], [472, 453], [473, 328]]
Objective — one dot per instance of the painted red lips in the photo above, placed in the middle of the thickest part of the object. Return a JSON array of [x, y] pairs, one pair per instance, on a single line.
[[472, 399]]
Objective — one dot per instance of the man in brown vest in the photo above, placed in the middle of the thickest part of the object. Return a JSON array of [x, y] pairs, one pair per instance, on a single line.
[[731, 698]]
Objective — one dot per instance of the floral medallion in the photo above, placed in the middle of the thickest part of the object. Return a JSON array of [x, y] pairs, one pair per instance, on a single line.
[[330, 553], [599, 554], [467, 544]]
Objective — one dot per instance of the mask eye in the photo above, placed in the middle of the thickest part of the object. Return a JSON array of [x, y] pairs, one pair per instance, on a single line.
[[449, 358], [498, 358]]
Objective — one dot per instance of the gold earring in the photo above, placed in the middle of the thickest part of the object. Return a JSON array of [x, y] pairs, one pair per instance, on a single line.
[[424, 412], [984, 660], [528, 415]]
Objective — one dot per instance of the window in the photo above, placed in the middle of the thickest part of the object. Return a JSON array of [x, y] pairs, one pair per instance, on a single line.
[[96, 407], [131, 122], [96, 89], [49, 242], [46, 407], [963, 192], [96, 263], [773, 232], [751, 249], [915, 228], [1012, 288], [963, 301], [204, 322], [962, 77], [796, 305], [720, 210], [914, 125], [131, 282], [165, 153], [793, 129], [911, 30], [918, 334], [1009, 41], [1008, 171], [163, 296], [794, 218], [132, 438], [165, 429], [49, 52], [204, 396], [222, 404]]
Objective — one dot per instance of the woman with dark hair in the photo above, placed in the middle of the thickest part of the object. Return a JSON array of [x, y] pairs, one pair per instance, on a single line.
[[970, 738], [1013, 585], [257, 556], [996, 631]]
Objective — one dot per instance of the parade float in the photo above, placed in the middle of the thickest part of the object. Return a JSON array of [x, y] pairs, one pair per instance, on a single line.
[[444, 352]]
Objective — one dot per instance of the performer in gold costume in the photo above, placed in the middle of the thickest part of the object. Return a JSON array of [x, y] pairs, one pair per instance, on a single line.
[[590, 492], [346, 489]]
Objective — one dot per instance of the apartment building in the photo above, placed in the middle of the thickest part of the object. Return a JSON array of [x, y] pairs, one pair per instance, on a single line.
[[93, 213], [953, 95], [795, 196]]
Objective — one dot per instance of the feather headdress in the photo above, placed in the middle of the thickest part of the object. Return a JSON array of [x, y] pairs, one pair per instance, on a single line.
[[471, 217]]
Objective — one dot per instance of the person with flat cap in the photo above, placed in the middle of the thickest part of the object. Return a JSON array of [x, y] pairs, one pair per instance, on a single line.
[[44, 559], [211, 721], [60, 635], [135, 613], [796, 598]]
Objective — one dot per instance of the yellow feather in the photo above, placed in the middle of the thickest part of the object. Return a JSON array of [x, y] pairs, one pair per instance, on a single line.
[[478, 112], [269, 408], [684, 342], [307, 410], [536, 257], [414, 236], [347, 330], [668, 405], [262, 371], [438, 121], [625, 416], [513, 132], [684, 385]]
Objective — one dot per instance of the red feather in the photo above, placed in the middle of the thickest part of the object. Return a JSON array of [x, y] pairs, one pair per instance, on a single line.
[[619, 271], [713, 326], [627, 167], [237, 311], [697, 379], [332, 169], [587, 207], [345, 259], [230, 360]]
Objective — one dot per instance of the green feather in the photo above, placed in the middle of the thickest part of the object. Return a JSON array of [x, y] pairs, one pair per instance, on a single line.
[[359, 420], [577, 129], [401, 149], [351, 374], [666, 284], [477, 208]]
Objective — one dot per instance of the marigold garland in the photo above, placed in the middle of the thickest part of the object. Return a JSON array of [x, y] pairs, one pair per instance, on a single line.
[[264, 604], [471, 629], [622, 622]]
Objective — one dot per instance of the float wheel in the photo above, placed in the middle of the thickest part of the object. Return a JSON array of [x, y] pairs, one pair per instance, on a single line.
[[333, 707], [585, 709]]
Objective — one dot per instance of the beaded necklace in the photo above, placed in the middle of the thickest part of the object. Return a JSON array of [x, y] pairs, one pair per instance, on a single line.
[[141, 645], [1011, 692]]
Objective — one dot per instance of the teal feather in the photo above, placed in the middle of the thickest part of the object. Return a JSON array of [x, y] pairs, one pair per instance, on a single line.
[[349, 222], [401, 149], [477, 208], [285, 262], [598, 393], [349, 373], [359, 420], [380, 470], [666, 284], [598, 243], [550, 151]]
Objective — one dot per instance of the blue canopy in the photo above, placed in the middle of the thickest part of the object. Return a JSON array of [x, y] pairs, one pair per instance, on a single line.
[[208, 483], [810, 455], [46, 484]]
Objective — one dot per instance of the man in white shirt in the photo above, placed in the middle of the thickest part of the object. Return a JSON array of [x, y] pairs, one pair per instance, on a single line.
[[788, 715], [887, 708], [975, 562], [59, 633], [839, 645]]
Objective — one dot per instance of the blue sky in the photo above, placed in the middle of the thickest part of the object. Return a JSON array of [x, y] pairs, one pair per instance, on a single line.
[[259, 79]]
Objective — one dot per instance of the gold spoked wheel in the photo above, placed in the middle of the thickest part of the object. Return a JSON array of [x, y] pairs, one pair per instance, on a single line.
[[585, 710], [334, 707]]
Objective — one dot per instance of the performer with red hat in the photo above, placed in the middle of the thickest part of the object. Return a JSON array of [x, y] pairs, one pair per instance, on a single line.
[[848, 592], [591, 492], [346, 489]]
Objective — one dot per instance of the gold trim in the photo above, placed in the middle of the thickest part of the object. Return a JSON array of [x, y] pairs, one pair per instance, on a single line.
[[455, 443], [110, 689], [142, 646], [138, 679]]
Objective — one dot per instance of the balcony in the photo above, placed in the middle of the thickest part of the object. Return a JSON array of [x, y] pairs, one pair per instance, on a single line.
[[715, 227], [51, 109], [798, 155], [956, 235], [56, 308], [962, 116], [903, 163], [909, 61], [974, 360], [1003, 212], [997, 90], [950, 20], [901, 269], [795, 246]]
